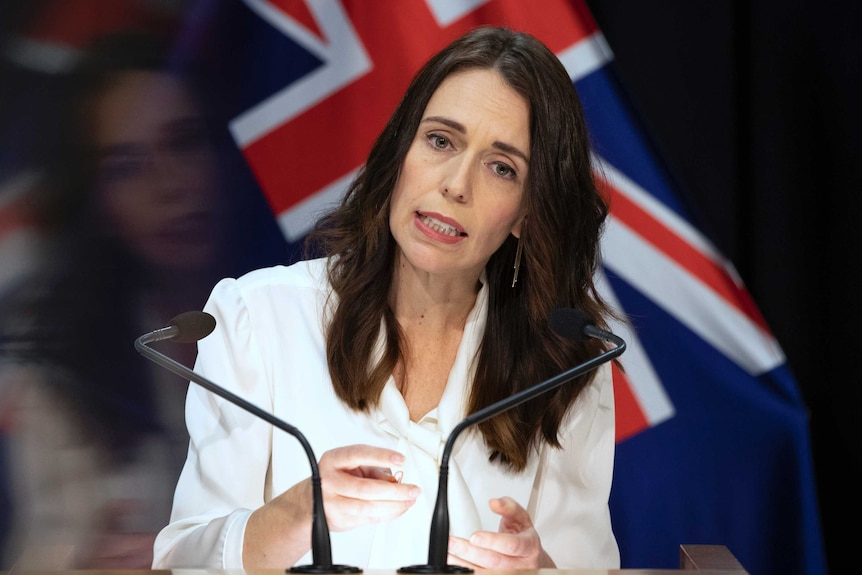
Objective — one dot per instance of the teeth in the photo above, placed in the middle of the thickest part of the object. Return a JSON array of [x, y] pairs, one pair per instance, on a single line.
[[439, 226]]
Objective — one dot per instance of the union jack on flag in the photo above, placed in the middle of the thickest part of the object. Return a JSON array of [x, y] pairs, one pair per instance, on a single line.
[[291, 139], [712, 433]]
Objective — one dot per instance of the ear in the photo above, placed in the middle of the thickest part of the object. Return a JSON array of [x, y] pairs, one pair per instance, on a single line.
[[518, 226]]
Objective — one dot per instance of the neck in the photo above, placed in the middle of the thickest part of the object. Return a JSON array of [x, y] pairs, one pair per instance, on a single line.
[[421, 298]]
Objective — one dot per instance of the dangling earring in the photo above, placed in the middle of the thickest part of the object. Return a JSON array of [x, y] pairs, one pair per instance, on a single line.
[[518, 253]]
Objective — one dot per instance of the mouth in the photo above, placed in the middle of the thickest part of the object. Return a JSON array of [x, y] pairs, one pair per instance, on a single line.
[[192, 228], [442, 227]]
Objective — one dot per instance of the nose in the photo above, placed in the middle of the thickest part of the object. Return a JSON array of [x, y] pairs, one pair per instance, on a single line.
[[168, 176], [458, 183]]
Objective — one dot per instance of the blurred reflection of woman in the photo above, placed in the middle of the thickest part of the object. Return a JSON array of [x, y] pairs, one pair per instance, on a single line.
[[98, 435]]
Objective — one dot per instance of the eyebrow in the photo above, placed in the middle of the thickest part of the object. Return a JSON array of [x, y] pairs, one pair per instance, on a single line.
[[120, 149], [459, 127]]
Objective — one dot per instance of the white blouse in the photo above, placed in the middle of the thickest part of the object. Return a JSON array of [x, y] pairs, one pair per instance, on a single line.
[[268, 347]]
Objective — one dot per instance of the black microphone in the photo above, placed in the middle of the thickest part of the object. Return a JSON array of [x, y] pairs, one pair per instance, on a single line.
[[567, 322], [192, 326]]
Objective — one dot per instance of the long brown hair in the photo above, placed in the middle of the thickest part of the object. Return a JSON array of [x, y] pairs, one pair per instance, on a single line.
[[565, 215]]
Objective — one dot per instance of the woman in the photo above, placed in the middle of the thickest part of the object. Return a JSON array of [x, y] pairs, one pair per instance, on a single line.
[[97, 438], [475, 215]]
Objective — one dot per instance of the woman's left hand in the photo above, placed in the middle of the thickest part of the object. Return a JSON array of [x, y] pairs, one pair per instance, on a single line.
[[516, 545]]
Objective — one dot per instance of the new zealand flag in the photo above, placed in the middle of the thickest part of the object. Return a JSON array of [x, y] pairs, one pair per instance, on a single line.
[[713, 442]]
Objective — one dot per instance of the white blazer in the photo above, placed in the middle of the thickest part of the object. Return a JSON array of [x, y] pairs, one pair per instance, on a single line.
[[268, 347]]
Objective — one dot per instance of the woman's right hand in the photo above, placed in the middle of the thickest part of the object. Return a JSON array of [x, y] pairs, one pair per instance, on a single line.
[[358, 488]]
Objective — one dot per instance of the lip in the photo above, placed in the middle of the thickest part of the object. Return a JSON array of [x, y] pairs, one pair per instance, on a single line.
[[188, 228], [436, 235]]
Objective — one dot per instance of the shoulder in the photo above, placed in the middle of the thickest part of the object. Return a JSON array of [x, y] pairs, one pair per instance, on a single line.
[[268, 299], [274, 283], [303, 274], [588, 432], [595, 400]]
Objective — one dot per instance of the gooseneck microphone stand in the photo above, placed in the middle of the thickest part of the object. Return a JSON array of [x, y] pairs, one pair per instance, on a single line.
[[193, 326], [568, 323]]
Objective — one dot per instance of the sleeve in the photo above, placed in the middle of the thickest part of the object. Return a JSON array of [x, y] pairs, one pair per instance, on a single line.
[[572, 515], [53, 470], [225, 473]]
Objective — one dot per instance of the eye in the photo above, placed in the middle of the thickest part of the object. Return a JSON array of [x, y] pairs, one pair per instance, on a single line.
[[438, 141], [504, 170], [120, 169]]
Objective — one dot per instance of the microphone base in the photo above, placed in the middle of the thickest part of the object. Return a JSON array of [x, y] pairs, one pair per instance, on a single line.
[[324, 569], [435, 569]]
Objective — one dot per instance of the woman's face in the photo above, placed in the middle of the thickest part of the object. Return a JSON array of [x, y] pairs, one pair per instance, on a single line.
[[156, 171], [460, 192]]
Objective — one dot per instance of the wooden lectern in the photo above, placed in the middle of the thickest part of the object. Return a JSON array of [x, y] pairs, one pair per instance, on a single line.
[[708, 559]]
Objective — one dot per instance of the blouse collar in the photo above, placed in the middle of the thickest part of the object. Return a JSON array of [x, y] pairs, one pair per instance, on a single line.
[[452, 407]]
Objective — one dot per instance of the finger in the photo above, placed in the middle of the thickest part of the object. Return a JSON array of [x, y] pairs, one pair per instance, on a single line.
[[458, 548], [470, 555], [354, 456], [508, 544], [379, 473], [345, 514], [342, 471], [453, 560], [374, 489], [513, 517]]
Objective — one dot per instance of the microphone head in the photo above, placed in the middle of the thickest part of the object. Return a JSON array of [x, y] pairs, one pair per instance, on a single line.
[[569, 323], [193, 326]]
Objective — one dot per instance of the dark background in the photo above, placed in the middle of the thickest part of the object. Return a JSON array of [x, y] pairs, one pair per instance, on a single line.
[[754, 106]]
